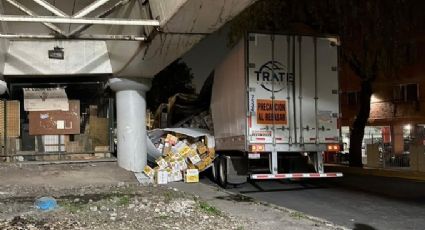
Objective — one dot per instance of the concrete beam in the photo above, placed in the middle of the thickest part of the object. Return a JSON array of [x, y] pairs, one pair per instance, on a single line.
[[70, 20]]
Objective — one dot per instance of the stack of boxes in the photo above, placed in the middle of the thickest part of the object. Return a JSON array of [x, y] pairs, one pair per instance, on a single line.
[[182, 158]]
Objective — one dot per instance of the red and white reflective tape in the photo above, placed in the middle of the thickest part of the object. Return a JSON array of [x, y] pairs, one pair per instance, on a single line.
[[295, 175]]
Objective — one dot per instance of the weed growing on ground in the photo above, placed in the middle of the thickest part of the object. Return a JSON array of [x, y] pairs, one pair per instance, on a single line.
[[123, 200], [297, 215], [72, 207], [208, 208]]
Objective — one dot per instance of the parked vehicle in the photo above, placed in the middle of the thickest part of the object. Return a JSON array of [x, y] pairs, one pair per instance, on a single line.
[[275, 108]]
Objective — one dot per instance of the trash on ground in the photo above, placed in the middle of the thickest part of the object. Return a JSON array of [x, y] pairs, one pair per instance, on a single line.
[[46, 203]]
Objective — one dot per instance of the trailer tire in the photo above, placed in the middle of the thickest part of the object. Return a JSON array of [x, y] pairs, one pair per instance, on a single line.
[[222, 172], [214, 170]]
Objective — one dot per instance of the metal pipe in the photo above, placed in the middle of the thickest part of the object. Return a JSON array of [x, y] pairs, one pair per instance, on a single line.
[[90, 8], [29, 12], [79, 37], [69, 20], [51, 8], [101, 15]]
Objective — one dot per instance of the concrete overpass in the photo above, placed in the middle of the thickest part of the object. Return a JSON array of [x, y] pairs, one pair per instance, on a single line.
[[129, 40]]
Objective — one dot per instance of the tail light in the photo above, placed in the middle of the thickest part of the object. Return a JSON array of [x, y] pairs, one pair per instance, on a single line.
[[333, 148], [257, 148]]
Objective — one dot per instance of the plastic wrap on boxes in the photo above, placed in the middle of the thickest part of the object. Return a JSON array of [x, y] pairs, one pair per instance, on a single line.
[[180, 152]]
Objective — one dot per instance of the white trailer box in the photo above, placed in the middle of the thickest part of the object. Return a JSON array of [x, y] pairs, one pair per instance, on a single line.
[[276, 95]]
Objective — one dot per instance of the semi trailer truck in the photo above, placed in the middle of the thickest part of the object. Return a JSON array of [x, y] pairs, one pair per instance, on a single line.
[[275, 108]]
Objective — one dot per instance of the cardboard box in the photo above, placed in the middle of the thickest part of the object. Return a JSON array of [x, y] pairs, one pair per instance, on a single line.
[[99, 130], [174, 176], [161, 176], [191, 176], [194, 157], [149, 171], [201, 148], [171, 139], [101, 148], [161, 163], [13, 119]]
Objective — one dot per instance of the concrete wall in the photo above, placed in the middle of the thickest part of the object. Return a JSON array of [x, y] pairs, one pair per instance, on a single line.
[[81, 57], [4, 44]]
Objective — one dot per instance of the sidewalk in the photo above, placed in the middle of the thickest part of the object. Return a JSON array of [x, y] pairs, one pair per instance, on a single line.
[[394, 173], [262, 215]]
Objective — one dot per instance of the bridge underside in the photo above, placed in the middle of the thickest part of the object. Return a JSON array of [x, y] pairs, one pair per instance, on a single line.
[[124, 38]]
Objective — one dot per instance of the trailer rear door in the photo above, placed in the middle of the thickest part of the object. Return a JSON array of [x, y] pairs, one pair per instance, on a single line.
[[269, 82], [292, 89]]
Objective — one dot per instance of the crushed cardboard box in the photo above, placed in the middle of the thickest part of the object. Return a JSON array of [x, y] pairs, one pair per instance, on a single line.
[[183, 157]]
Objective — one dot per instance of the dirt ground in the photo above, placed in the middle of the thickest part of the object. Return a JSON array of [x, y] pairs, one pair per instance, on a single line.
[[103, 196]]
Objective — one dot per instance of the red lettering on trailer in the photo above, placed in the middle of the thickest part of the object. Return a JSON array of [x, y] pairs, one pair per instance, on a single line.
[[260, 138], [297, 175], [262, 176]]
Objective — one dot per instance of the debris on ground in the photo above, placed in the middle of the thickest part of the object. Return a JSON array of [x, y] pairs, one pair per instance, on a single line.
[[183, 155], [113, 207], [45, 203]]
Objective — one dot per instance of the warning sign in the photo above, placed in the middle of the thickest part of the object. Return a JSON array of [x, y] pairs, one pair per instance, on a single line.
[[265, 113]]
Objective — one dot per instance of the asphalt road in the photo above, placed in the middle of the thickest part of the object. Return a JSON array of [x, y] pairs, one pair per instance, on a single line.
[[357, 202]]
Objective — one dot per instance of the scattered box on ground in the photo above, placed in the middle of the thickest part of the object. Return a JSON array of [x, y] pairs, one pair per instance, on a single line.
[[191, 176]]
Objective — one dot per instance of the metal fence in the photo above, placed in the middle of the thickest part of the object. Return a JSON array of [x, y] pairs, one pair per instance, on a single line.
[[93, 143], [391, 160]]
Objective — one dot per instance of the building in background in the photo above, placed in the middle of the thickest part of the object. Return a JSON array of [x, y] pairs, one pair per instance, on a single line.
[[397, 114]]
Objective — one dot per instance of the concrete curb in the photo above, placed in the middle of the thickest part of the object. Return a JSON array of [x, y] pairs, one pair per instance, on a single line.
[[409, 175]]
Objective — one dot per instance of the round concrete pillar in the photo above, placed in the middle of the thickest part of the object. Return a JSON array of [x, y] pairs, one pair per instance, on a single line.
[[3, 87], [131, 124]]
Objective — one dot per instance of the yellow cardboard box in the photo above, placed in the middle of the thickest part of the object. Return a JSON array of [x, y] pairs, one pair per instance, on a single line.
[[191, 176], [149, 171], [194, 157], [201, 148], [161, 163]]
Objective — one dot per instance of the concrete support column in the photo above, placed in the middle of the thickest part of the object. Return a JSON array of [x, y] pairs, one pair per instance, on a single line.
[[131, 123]]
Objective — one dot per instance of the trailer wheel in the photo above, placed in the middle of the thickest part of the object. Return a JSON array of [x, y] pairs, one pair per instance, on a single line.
[[214, 170], [222, 172]]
